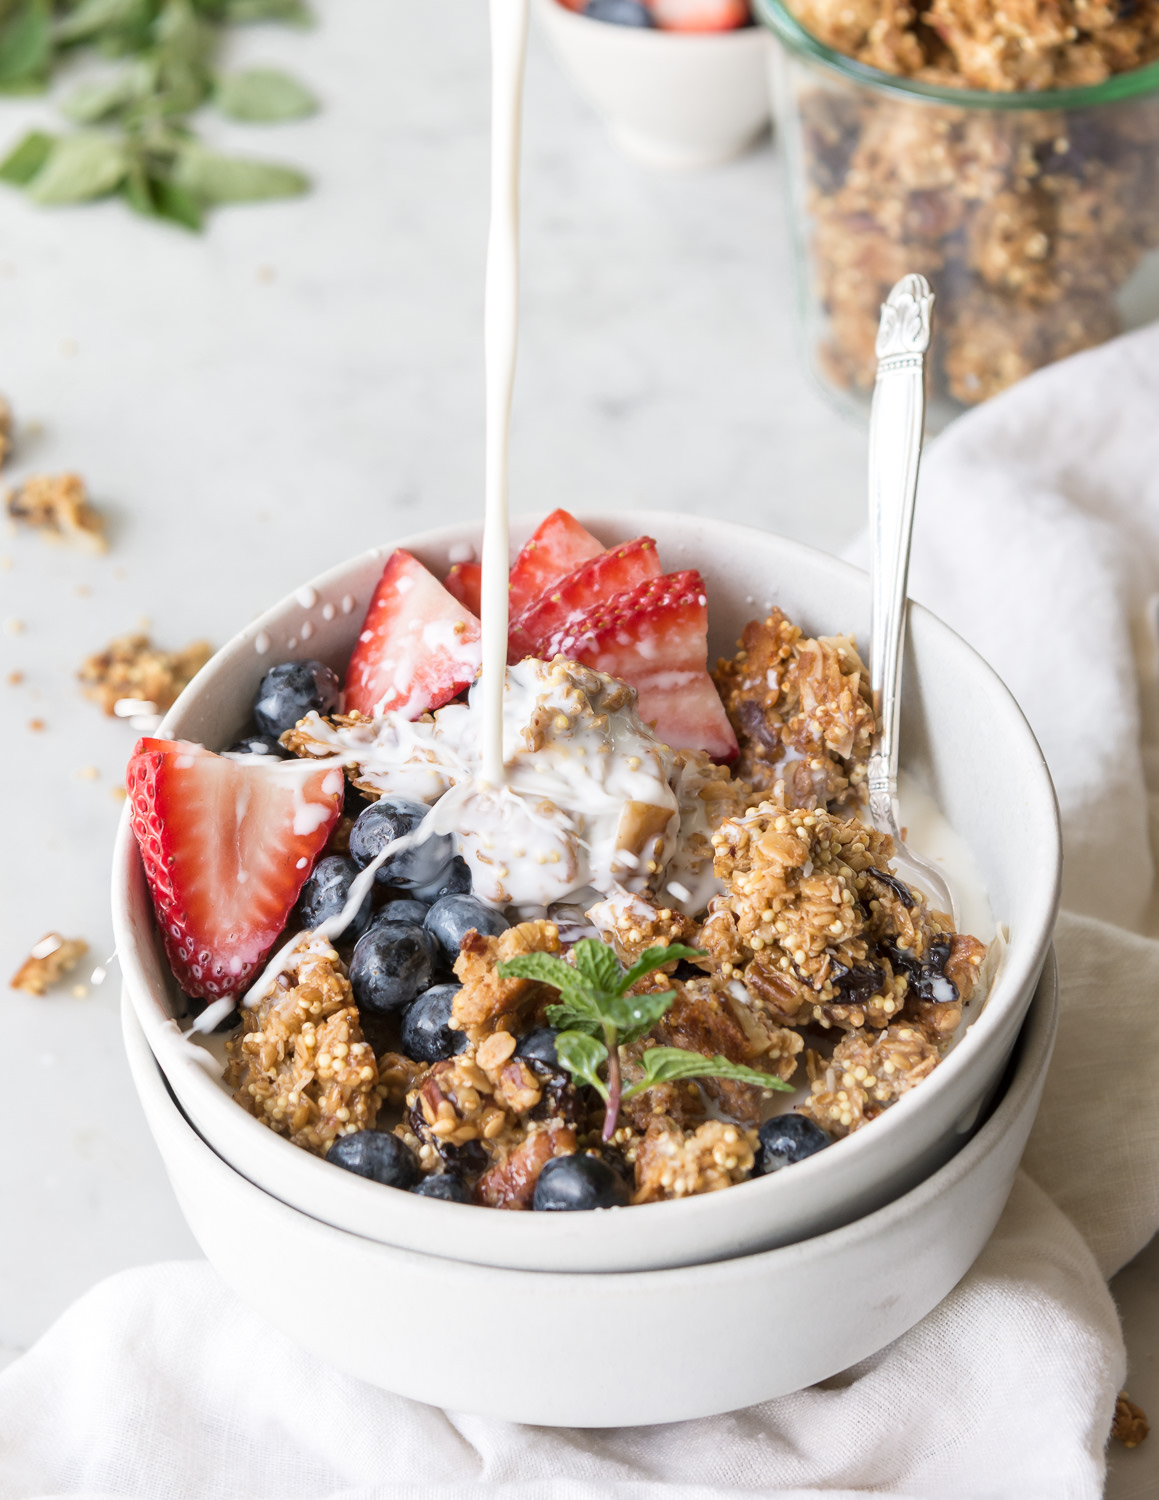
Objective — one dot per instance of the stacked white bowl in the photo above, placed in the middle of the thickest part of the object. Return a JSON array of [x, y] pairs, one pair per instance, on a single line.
[[781, 1281]]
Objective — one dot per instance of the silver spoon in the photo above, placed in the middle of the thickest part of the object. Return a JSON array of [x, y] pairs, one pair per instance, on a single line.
[[895, 447]]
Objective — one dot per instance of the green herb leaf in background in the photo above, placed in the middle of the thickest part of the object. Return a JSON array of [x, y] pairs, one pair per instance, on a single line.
[[25, 48], [144, 147], [26, 158], [264, 96], [79, 168]]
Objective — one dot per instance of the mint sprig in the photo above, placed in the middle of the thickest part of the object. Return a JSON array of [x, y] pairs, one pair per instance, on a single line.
[[596, 1016]]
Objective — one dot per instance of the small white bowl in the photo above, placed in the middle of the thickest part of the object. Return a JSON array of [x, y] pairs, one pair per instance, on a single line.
[[669, 98], [963, 737], [716, 1337]]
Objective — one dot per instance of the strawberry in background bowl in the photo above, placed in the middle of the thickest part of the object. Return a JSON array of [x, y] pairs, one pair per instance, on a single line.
[[678, 83]]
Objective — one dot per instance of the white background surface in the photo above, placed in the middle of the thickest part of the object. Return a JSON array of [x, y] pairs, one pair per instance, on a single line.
[[306, 380]]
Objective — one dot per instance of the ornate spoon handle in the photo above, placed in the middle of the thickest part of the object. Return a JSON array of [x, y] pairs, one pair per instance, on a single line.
[[895, 445]]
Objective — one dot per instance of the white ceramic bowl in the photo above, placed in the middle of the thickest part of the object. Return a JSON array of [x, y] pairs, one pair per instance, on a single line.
[[668, 98], [963, 735], [745, 1330]]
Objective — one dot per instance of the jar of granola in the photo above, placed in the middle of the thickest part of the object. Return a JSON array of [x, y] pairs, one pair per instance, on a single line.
[[1008, 152]]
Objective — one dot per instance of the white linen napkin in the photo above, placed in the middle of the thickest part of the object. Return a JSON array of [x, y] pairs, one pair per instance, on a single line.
[[1038, 539]]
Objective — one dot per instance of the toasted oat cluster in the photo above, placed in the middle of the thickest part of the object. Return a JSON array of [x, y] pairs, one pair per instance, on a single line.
[[55, 503], [301, 1065], [800, 711], [1027, 223], [131, 667], [979, 44], [50, 960]]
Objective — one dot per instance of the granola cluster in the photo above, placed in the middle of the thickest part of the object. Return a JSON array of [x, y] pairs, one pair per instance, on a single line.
[[1022, 46], [1027, 223], [301, 1065], [55, 503], [801, 713], [50, 960], [132, 668]]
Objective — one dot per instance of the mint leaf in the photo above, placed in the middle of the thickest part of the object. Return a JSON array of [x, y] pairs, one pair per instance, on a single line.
[[26, 158], [264, 96], [599, 965], [102, 97], [656, 958], [583, 1056], [634, 1016], [91, 17], [79, 168], [211, 178], [176, 205], [546, 968], [667, 1064], [26, 47], [291, 11]]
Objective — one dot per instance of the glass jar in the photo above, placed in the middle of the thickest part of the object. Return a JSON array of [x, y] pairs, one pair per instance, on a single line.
[[1035, 216]]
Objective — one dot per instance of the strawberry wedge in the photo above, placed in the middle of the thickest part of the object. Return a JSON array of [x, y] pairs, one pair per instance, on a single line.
[[655, 638], [227, 846], [558, 546], [700, 15], [465, 583], [418, 647], [593, 583]]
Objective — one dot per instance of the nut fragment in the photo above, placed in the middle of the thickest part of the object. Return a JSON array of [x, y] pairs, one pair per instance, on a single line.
[[48, 962]]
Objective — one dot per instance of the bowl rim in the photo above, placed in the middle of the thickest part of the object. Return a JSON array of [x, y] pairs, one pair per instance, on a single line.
[[1018, 977], [1033, 1049]]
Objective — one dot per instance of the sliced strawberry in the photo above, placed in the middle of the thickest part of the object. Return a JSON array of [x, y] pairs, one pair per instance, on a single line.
[[465, 582], [418, 646], [227, 846], [559, 544], [655, 637], [593, 583], [700, 15]]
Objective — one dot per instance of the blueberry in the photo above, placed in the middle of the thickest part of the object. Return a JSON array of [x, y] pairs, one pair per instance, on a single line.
[[402, 910], [452, 916], [539, 1046], [573, 1182], [392, 818], [257, 744], [325, 893], [378, 1155], [453, 880], [288, 693], [619, 12], [195, 1004], [445, 1185], [786, 1139], [427, 1034], [392, 963]]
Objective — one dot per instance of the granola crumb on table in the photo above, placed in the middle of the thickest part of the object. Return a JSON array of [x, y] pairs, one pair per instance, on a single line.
[[132, 667], [1130, 1425], [57, 504], [47, 964]]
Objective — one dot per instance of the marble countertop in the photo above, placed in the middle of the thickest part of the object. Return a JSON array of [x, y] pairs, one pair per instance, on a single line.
[[305, 380]]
